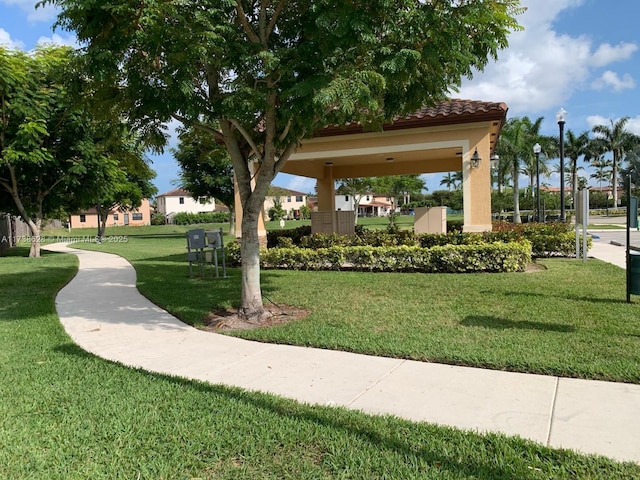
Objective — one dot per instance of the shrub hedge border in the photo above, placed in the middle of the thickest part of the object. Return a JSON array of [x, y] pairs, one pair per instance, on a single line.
[[480, 257]]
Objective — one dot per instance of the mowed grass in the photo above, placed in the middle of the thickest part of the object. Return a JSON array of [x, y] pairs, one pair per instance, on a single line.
[[569, 318], [67, 414]]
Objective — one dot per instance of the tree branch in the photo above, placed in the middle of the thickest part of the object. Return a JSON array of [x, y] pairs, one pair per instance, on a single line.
[[245, 23], [206, 128], [247, 137], [274, 18]]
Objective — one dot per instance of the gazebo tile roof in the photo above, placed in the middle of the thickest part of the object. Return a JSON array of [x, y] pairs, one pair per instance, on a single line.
[[448, 112]]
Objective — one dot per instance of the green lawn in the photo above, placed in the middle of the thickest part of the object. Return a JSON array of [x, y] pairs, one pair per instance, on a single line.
[[568, 319], [69, 415]]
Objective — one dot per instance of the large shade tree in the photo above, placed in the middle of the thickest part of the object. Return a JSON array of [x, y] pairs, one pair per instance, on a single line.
[[270, 73], [48, 144], [205, 169]]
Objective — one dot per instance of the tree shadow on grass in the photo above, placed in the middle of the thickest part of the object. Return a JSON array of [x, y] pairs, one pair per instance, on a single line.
[[445, 449], [505, 324], [572, 297]]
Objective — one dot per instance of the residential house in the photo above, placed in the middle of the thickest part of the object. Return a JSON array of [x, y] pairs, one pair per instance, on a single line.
[[181, 201], [290, 200], [371, 204], [119, 217]]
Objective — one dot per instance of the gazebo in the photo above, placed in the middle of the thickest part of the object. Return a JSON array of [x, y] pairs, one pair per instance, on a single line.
[[454, 135]]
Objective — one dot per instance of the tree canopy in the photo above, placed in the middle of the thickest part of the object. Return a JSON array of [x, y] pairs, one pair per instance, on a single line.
[[271, 73], [47, 140], [205, 168]]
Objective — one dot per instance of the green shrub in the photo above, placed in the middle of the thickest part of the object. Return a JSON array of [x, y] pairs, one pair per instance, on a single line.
[[232, 254], [295, 234], [479, 257], [547, 239], [158, 218], [186, 218]]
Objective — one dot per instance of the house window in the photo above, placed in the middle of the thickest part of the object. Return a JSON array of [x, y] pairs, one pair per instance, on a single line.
[[368, 198], [181, 200], [346, 198], [136, 216], [298, 198], [115, 217], [288, 199], [83, 218], [202, 200]]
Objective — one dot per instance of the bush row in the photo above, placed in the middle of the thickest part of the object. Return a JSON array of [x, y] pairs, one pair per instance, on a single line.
[[481, 257], [185, 218], [547, 239]]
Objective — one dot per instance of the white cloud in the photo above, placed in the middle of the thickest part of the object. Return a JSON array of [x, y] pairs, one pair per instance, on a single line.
[[541, 68], [56, 39], [633, 125], [612, 80], [40, 14], [6, 41], [606, 54]]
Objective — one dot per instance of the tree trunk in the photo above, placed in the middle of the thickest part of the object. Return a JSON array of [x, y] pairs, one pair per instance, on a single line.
[[251, 308], [102, 222], [35, 228], [232, 220], [34, 224]]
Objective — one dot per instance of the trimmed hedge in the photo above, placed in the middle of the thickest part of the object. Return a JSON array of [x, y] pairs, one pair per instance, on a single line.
[[547, 239], [481, 257], [185, 218], [295, 234]]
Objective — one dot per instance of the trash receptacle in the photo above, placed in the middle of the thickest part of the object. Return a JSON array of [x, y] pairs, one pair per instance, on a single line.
[[634, 273]]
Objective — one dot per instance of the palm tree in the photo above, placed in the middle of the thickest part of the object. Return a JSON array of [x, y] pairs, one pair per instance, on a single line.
[[594, 154], [448, 181], [614, 138], [602, 174], [516, 147], [575, 146], [457, 180]]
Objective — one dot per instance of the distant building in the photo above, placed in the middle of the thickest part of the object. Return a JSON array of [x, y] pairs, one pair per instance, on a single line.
[[290, 200], [371, 204], [181, 201], [119, 217]]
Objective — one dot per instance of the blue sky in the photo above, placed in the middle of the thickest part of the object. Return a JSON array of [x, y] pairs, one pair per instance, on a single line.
[[581, 55]]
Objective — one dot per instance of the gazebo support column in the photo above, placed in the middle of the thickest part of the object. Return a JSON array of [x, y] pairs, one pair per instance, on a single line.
[[477, 187]]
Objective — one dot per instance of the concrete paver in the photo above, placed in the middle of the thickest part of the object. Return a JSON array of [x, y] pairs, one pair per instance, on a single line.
[[103, 313]]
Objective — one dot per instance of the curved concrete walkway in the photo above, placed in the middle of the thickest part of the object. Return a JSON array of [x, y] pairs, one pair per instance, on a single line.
[[103, 312]]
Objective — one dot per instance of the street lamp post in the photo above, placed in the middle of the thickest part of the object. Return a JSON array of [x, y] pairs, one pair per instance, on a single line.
[[536, 150], [561, 117]]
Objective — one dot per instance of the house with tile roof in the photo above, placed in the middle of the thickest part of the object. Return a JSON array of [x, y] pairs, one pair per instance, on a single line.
[[290, 200]]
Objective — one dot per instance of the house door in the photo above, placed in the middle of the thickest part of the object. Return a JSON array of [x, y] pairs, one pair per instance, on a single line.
[[126, 219]]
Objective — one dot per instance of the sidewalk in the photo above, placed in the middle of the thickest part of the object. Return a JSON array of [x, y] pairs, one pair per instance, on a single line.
[[103, 312]]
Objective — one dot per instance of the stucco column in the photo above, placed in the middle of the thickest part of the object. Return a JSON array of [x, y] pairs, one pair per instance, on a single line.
[[477, 186], [326, 191]]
